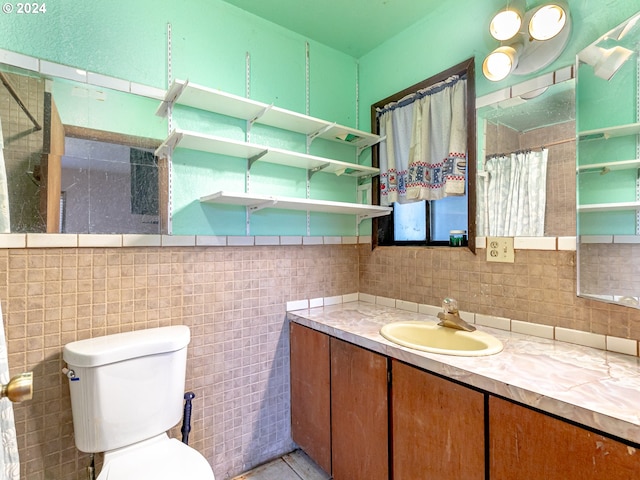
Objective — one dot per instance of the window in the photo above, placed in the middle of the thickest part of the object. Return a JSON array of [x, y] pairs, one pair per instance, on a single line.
[[425, 220]]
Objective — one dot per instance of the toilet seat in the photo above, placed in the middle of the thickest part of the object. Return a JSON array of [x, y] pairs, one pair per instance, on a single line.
[[159, 458]]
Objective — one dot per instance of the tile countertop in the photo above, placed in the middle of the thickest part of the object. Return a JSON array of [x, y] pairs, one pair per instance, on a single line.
[[592, 387]]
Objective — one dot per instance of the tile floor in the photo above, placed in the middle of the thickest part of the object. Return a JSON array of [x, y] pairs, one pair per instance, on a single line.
[[293, 466]]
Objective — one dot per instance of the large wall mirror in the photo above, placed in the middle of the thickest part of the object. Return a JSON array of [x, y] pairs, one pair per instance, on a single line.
[[526, 159], [78, 158], [608, 166]]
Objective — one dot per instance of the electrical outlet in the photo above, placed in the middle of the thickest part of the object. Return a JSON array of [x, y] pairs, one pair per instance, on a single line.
[[500, 249]]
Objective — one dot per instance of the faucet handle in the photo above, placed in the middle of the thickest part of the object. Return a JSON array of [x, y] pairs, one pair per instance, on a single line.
[[450, 305]]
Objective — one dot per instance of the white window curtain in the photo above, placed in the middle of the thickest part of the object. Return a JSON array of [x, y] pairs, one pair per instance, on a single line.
[[394, 154], [424, 152], [5, 221], [516, 190]]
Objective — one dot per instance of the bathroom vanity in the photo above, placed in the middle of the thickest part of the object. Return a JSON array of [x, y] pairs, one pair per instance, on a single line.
[[540, 409]]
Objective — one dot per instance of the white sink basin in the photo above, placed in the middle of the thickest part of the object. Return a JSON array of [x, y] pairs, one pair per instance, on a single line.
[[431, 337]]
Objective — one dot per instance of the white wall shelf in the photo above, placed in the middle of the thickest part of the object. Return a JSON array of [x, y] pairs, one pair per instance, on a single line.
[[603, 167], [610, 132], [182, 92], [259, 202], [610, 207], [233, 148]]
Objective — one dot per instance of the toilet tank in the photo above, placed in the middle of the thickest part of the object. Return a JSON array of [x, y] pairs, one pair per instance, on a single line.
[[126, 387]]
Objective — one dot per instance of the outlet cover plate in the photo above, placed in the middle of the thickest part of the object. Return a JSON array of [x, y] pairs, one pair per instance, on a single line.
[[500, 249]]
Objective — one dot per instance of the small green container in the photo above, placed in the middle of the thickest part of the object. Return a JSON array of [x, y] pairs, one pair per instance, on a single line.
[[457, 238]]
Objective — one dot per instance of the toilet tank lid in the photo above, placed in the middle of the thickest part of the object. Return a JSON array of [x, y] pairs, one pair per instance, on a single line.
[[97, 351]]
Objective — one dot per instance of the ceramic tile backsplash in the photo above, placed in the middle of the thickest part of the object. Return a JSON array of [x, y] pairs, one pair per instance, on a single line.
[[232, 298], [539, 288]]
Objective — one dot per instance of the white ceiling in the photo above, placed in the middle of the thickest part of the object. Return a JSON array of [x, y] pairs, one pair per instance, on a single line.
[[354, 27]]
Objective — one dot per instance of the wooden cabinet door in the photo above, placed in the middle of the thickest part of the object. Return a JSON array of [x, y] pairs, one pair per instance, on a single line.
[[437, 427], [310, 393], [528, 444], [359, 415]]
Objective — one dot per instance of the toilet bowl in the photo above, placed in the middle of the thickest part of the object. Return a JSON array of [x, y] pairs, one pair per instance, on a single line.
[[160, 457], [126, 393]]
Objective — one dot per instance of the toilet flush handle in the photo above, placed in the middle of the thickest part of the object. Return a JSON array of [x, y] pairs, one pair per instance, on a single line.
[[70, 374]]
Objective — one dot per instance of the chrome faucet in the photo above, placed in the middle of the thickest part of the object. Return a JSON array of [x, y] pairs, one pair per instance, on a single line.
[[450, 317]]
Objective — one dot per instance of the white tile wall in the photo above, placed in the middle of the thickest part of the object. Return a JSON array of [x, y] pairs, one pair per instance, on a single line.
[[567, 243], [107, 82], [493, 322], [622, 345], [211, 241], [535, 329], [291, 240], [386, 302], [579, 337], [238, 241], [429, 309], [13, 240], [312, 240], [51, 240], [408, 306], [267, 240], [534, 243], [97, 240], [135, 240], [63, 71], [19, 60]]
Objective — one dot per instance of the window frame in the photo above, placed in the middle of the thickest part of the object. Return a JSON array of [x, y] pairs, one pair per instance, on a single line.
[[467, 68]]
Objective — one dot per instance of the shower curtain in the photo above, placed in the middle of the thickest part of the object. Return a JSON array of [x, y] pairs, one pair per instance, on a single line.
[[9, 461], [516, 194], [5, 223]]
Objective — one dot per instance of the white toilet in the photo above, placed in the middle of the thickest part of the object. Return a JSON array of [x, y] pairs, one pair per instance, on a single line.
[[127, 390]]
